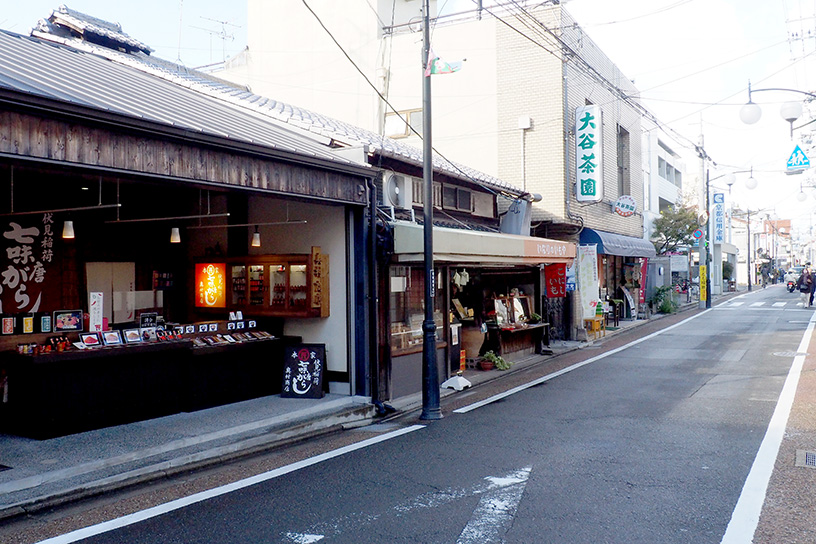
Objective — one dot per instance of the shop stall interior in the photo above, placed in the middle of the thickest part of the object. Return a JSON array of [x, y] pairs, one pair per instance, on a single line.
[[70, 233]]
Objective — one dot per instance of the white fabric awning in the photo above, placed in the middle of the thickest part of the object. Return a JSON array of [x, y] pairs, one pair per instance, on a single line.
[[467, 246]]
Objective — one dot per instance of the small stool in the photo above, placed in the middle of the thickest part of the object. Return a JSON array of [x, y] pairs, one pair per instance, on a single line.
[[595, 325]]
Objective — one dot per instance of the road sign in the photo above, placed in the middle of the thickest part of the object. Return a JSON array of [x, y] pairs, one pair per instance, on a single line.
[[798, 160], [697, 233]]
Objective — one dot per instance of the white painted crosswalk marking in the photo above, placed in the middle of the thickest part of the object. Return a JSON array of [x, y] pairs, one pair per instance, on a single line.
[[736, 304], [779, 304], [755, 304]]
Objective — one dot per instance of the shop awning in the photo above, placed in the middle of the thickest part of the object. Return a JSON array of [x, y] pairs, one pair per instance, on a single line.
[[617, 244], [467, 246]]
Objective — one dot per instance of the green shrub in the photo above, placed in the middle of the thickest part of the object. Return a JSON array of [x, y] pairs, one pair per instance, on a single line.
[[662, 300], [498, 361]]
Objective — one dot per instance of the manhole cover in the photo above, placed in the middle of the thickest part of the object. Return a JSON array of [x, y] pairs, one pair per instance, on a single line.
[[806, 458], [790, 354]]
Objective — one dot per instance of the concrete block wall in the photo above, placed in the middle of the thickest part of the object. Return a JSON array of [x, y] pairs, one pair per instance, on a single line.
[[532, 81]]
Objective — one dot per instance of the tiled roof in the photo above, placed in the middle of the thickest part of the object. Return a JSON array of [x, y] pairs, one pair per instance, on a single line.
[[94, 29], [326, 128], [48, 70]]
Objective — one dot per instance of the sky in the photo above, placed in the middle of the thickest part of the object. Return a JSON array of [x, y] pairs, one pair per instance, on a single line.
[[210, 30], [690, 59]]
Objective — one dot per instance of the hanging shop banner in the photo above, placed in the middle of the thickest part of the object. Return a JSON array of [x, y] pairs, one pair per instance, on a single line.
[[588, 283], [303, 371], [210, 285], [28, 244], [588, 154], [555, 276], [571, 276], [703, 276], [644, 277]]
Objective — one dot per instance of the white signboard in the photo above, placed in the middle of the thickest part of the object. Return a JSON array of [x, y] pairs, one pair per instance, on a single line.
[[719, 218], [588, 156], [95, 312], [588, 283]]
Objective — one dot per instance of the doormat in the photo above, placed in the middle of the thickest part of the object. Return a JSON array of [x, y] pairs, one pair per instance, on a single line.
[[612, 328]]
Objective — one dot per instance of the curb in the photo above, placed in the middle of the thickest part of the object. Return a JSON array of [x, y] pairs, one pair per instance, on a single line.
[[267, 441]]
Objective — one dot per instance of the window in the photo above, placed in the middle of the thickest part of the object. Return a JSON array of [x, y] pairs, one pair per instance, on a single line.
[[419, 193], [407, 308], [395, 127], [456, 198], [624, 183]]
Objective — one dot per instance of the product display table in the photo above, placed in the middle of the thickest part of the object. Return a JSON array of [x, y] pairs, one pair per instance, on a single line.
[[55, 394]]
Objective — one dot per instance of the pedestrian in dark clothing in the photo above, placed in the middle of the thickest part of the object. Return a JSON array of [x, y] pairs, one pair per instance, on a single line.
[[805, 284], [812, 287]]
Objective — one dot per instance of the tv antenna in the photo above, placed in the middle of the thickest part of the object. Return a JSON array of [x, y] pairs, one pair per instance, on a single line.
[[222, 34]]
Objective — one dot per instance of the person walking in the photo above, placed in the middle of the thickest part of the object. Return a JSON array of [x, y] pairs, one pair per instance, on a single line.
[[805, 284]]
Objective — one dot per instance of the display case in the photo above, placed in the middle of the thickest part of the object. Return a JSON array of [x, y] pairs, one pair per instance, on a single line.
[[282, 285], [407, 310]]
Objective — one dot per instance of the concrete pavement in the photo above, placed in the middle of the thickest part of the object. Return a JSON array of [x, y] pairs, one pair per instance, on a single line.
[[46, 473]]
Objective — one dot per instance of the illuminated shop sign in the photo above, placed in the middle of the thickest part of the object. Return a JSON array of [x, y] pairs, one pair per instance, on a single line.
[[210, 285]]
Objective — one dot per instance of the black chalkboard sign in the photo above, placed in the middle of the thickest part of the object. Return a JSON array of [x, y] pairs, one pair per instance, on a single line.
[[303, 369]]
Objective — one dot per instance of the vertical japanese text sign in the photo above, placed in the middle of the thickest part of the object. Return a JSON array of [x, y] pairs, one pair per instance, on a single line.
[[588, 153], [719, 218]]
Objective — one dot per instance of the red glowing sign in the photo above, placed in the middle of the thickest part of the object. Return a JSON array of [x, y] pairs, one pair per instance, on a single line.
[[210, 285]]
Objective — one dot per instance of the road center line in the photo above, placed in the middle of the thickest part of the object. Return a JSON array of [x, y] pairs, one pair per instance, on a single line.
[[177, 504], [746, 513], [538, 381]]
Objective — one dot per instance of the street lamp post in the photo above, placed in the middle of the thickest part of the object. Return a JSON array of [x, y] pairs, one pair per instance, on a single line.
[[790, 111]]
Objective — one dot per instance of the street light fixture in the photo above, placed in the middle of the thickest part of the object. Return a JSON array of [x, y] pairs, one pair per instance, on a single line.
[[790, 111]]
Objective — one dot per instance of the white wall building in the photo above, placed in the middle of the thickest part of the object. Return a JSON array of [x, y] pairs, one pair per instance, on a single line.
[[509, 112]]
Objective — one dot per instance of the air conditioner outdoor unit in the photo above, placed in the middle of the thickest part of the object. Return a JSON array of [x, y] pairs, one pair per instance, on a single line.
[[397, 191]]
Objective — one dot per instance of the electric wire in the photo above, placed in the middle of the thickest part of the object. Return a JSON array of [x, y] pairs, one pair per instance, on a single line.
[[394, 110]]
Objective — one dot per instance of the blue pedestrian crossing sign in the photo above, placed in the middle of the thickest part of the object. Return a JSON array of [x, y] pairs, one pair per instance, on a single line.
[[798, 160]]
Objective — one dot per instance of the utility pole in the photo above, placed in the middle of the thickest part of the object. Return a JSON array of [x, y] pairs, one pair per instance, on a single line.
[[703, 250]]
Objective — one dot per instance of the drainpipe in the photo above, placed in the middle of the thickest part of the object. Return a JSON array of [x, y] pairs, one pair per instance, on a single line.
[[373, 299]]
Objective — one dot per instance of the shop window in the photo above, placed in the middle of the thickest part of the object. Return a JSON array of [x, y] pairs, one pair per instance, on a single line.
[[407, 308]]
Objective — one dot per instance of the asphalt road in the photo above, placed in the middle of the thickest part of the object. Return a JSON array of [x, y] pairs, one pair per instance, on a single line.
[[650, 443]]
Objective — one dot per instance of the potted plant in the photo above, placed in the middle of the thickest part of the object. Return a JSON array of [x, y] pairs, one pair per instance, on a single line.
[[534, 318], [492, 360]]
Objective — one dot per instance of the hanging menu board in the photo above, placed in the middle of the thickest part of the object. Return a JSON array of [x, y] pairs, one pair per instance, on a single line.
[[303, 369]]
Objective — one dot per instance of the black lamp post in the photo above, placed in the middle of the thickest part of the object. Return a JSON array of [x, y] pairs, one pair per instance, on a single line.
[[430, 372]]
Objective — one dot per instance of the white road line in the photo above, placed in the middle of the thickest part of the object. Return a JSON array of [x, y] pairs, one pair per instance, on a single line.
[[735, 304], [548, 377], [177, 504], [494, 514], [779, 304], [745, 517], [758, 304]]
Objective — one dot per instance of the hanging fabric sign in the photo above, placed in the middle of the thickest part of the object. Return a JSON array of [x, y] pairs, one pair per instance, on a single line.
[[555, 276], [28, 245], [588, 283]]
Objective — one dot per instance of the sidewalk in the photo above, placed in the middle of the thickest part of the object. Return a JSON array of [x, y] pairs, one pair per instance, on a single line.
[[37, 474]]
